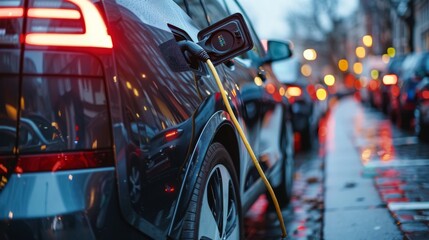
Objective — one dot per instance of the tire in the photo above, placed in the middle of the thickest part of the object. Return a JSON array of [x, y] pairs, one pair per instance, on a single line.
[[307, 137], [284, 190], [135, 181], [216, 187], [403, 120], [391, 113], [421, 129]]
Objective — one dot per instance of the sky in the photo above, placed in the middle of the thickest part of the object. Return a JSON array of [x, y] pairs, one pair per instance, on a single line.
[[268, 17], [269, 20]]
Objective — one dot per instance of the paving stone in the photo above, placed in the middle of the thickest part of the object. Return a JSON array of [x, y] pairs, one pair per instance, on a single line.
[[403, 218], [416, 236], [414, 227]]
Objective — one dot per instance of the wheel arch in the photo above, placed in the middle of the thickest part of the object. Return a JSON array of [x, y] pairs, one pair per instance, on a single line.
[[227, 136], [218, 129]]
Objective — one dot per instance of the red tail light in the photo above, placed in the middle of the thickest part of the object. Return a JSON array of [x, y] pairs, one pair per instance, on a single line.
[[79, 24], [390, 79], [271, 89], [64, 161], [373, 85], [311, 89], [425, 94], [11, 12], [395, 91]]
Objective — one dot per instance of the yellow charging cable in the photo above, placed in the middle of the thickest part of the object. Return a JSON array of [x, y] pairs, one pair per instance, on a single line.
[[248, 147]]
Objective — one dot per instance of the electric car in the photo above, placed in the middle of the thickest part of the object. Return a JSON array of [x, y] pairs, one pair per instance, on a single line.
[[112, 126], [268, 113]]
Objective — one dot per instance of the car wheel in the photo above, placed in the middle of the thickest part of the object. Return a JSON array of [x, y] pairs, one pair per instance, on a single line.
[[284, 190], [403, 120], [391, 113], [214, 210], [307, 137], [135, 177], [421, 129]]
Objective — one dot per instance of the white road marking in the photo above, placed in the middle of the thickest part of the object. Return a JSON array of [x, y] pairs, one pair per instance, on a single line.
[[405, 140], [395, 206], [362, 142], [397, 163]]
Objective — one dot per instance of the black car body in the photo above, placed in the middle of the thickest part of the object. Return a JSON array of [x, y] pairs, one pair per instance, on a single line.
[[106, 131], [412, 72], [390, 88], [309, 104], [307, 108], [421, 113]]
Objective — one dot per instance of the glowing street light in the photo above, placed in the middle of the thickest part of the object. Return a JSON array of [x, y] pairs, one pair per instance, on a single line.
[[375, 74], [391, 52], [321, 94], [310, 54], [258, 81], [385, 58], [343, 65], [358, 68], [306, 70], [367, 40], [329, 80], [360, 52]]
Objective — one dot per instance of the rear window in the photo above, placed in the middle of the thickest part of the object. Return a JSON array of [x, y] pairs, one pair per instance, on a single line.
[[8, 113], [63, 113]]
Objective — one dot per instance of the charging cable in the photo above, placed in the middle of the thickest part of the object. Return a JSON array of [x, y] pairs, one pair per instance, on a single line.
[[248, 147], [198, 52]]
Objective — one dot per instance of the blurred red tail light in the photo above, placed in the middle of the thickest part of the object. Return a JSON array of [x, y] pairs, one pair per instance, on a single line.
[[373, 85], [425, 94], [395, 91], [311, 89], [390, 79], [270, 88], [79, 24]]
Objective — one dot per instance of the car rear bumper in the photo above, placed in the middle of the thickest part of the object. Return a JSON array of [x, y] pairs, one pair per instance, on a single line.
[[61, 205], [34, 195], [424, 111]]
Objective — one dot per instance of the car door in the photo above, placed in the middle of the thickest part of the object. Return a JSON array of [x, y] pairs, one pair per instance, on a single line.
[[264, 107], [158, 107]]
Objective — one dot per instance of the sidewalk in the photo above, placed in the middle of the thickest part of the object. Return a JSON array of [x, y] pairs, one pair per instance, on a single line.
[[353, 208]]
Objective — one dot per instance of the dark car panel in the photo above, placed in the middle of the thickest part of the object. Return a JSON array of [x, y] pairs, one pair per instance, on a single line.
[[179, 106], [107, 138]]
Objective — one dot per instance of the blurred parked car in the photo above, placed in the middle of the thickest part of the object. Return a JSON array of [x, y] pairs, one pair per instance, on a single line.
[[390, 87], [373, 69], [413, 70], [307, 106], [421, 112], [303, 109], [111, 128]]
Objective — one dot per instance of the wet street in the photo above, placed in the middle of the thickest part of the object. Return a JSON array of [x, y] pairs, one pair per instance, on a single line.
[[366, 180]]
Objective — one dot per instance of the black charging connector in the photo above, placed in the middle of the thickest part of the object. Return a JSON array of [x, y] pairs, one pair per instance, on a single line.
[[191, 50]]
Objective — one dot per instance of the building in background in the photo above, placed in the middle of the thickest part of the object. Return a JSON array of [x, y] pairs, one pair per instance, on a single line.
[[410, 25], [421, 32]]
